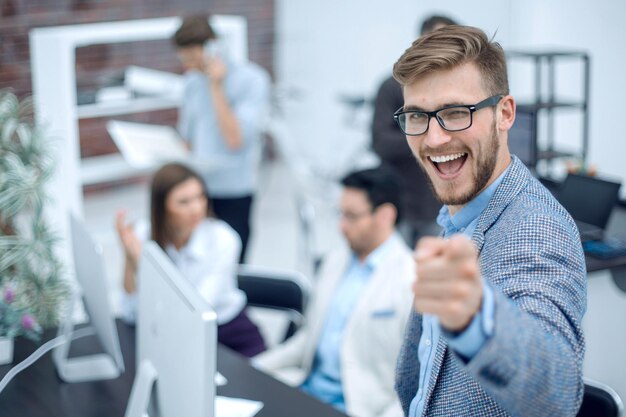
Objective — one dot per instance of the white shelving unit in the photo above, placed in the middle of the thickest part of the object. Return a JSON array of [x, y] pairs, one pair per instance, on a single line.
[[53, 56], [137, 105], [547, 101]]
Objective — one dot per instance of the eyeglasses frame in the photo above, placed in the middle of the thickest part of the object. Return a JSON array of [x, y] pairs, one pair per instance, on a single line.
[[488, 102]]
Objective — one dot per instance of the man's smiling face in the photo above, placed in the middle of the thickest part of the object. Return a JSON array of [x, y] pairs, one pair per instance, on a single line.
[[459, 164]]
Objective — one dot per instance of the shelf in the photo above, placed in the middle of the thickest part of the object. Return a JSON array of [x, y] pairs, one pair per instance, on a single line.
[[108, 168], [54, 84], [549, 155], [547, 54], [546, 98], [121, 107], [549, 105], [113, 167]]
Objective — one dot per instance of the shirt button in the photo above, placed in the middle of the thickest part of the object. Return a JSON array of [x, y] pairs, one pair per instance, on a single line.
[[427, 342]]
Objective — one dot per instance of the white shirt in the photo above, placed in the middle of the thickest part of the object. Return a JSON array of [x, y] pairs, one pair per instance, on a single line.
[[209, 261]]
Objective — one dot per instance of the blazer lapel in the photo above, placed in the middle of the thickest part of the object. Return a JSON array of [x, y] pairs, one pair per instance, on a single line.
[[440, 353], [408, 367], [512, 184]]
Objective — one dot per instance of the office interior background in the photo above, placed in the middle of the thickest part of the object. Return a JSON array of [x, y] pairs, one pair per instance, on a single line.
[[327, 59]]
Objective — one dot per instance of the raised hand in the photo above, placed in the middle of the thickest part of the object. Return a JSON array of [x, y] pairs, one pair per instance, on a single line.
[[215, 69], [130, 242]]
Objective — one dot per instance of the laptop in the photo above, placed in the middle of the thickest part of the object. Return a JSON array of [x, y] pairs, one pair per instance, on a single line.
[[590, 201]]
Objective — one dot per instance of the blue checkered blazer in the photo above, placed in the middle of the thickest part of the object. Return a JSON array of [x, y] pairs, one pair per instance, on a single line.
[[530, 253]]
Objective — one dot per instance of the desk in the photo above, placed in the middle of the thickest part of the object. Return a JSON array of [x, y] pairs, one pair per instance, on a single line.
[[37, 391], [617, 227], [596, 264]]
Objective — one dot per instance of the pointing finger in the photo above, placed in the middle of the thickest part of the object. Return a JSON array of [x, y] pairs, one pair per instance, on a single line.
[[429, 246]]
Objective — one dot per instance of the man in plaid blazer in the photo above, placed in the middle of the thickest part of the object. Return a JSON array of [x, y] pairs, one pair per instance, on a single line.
[[499, 299]]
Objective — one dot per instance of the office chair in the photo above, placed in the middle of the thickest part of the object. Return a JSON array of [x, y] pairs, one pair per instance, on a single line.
[[600, 400], [276, 289]]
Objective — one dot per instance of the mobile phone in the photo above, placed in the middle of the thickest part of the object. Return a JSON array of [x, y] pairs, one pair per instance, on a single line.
[[212, 48]]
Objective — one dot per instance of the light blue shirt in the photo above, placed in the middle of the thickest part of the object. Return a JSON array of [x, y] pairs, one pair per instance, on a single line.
[[324, 381], [468, 342], [247, 88]]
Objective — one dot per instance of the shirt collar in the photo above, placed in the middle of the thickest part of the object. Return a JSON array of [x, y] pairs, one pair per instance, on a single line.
[[470, 212], [378, 255], [194, 246]]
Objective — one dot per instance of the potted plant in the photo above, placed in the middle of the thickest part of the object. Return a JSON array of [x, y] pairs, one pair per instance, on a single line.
[[15, 320], [31, 275]]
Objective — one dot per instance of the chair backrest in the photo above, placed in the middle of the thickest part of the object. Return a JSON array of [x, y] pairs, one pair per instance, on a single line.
[[276, 289], [600, 400]]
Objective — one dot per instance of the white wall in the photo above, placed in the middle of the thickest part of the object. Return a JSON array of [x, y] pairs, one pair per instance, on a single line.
[[327, 48]]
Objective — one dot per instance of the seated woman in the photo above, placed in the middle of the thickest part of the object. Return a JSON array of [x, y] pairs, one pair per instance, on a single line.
[[206, 251]]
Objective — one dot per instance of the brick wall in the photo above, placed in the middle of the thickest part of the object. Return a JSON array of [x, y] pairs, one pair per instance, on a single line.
[[101, 65]]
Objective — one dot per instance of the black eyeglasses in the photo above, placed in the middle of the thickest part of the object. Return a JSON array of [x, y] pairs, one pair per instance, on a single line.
[[450, 118], [352, 217]]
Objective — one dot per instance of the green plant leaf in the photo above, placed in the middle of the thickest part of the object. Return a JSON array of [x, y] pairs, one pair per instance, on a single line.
[[27, 242]]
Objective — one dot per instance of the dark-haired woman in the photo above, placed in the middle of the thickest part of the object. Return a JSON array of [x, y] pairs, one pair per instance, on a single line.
[[205, 249]]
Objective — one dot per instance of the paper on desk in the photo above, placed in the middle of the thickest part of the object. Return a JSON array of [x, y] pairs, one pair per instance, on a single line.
[[236, 407], [220, 379]]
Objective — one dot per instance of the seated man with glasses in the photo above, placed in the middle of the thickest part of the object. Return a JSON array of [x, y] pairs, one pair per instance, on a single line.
[[500, 298], [346, 353]]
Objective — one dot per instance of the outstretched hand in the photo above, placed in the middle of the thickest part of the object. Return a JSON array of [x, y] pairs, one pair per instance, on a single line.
[[448, 282]]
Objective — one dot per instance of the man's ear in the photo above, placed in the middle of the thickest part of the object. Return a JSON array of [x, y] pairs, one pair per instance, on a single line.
[[387, 212], [506, 113]]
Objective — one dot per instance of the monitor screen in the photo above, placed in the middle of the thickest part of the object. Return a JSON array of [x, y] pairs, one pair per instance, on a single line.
[[589, 199], [91, 277], [176, 342], [523, 136]]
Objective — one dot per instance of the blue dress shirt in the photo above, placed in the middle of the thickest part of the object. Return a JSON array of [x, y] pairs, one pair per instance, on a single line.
[[468, 342], [324, 381], [247, 88]]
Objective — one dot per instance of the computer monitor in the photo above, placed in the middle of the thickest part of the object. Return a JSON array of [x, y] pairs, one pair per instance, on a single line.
[[523, 136], [176, 343], [589, 199], [91, 278]]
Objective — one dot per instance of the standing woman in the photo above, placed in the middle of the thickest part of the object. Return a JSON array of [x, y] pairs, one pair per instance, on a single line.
[[205, 249]]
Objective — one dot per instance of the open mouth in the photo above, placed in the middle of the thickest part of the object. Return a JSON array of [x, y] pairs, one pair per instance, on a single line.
[[449, 165]]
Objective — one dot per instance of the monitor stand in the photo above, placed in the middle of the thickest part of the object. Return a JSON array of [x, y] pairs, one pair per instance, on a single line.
[[140, 401], [83, 368]]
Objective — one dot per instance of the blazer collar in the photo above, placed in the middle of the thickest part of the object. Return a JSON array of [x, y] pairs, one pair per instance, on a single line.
[[512, 184]]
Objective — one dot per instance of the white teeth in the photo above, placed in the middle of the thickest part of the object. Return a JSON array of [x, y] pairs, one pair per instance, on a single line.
[[446, 158]]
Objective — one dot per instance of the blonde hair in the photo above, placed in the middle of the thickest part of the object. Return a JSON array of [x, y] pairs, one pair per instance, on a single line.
[[450, 47]]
